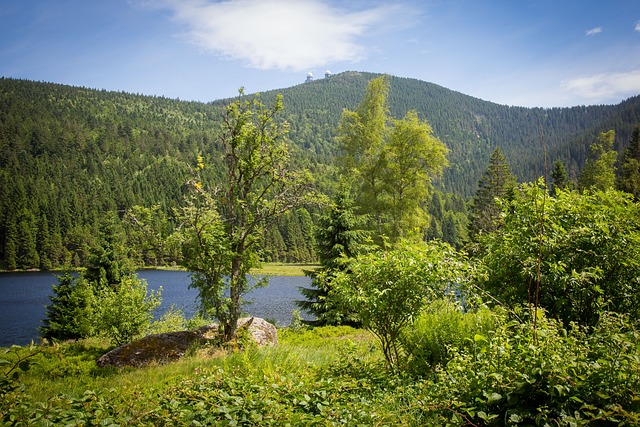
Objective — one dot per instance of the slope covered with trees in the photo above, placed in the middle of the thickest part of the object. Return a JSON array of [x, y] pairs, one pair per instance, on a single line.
[[69, 155]]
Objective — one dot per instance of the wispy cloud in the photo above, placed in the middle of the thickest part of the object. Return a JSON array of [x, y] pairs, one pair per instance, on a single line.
[[605, 85], [638, 26], [594, 31], [277, 34]]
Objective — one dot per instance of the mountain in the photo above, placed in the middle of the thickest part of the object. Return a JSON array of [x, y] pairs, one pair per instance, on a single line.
[[469, 126], [69, 154]]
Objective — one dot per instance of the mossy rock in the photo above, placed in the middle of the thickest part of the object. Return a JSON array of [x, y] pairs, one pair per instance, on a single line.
[[171, 346]]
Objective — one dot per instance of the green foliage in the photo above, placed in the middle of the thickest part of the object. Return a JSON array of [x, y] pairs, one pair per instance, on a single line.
[[388, 289], [599, 171], [497, 183], [69, 155], [14, 362], [125, 310], [541, 374], [108, 262], [516, 375], [223, 225], [629, 179], [206, 252], [559, 176], [390, 163], [583, 248], [441, 329], [171, 321], [339, 238], [70, 313]]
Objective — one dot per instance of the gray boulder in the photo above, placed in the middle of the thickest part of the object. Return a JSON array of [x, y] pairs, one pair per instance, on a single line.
[[171, 346]]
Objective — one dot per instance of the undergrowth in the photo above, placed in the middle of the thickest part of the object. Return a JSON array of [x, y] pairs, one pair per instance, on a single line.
[[512, 374]]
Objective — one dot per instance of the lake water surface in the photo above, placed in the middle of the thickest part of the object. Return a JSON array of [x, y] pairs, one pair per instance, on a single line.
[[24, 297]]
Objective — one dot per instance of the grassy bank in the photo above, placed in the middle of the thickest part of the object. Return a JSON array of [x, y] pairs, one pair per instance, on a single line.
[[282, 269]]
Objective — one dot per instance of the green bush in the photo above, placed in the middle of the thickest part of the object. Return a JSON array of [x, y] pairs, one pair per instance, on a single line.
[[388, 289], [438, 330], [125, 310], [538, 373], [171, 321]]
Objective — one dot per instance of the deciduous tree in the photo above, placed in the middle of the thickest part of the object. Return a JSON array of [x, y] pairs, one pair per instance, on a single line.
[[390, 162], [599, 171], [585, 251], [223, 226]]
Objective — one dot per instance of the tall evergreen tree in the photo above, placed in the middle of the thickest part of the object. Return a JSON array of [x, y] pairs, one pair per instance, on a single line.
[[339, 237], [496, 183], [108, 261], [629, 180], [559, 176]]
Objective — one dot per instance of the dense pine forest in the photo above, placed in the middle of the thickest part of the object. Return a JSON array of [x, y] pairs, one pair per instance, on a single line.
[[75, 160]]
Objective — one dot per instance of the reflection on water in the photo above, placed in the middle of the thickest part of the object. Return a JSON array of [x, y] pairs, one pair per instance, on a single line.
[[24, 296]]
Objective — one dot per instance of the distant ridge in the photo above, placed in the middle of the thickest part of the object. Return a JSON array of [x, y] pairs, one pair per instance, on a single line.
[[470, 127]]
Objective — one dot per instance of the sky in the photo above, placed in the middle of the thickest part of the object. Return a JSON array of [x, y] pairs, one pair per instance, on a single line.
[[533, 53]]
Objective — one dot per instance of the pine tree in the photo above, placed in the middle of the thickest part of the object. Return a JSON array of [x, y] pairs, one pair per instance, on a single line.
[[629, 180], [69, 315], [497, 182], [559, 176], [339, 237]]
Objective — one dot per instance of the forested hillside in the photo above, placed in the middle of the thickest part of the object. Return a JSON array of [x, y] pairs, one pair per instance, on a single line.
[[470, 127], [69, 156]]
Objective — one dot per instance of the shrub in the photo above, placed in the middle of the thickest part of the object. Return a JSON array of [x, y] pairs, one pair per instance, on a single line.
[[440, 329], [125, 310], [543, 375], [172, 320], [388, 289]]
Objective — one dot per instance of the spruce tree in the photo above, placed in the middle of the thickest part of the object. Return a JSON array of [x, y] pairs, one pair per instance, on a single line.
[[70, 314], [497, 182], [339, 237], [629, 180], [559, 176]]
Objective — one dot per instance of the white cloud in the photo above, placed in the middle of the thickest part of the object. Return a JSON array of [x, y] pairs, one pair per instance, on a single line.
[[594, 31], [637, 26], [277, 34], [605, 85]]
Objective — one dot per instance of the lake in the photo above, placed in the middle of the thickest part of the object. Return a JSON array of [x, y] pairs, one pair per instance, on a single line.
[[24, 297]]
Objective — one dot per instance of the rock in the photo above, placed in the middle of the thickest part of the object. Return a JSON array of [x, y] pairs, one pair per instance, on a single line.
[[171, 346], [261, 332]]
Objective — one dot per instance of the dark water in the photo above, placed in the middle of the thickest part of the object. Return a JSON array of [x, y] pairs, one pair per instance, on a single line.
[[24, 296]]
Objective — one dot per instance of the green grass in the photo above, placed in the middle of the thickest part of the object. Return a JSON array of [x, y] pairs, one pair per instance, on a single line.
[[70, 368], [282, 269]]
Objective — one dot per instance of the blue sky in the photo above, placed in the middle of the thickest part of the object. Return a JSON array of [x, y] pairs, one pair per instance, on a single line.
[[543, 53]]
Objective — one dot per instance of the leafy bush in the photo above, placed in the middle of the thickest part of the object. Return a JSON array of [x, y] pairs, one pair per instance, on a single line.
[[172, 320], [387, 289], [440, 329], [125, 310], [585, 249], [543, 375]]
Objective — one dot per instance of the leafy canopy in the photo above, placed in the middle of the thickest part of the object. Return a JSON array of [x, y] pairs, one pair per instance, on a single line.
[[586, 247]]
